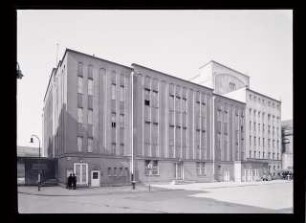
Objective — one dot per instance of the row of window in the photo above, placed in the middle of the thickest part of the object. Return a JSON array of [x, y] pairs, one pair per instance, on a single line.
[[256, 126], [117, 171], [263, 155], [262, 115], [263, 102], [275, 143]]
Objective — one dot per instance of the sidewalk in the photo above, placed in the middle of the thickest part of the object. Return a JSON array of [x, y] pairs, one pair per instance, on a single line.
[[216, 185], [61, 191]]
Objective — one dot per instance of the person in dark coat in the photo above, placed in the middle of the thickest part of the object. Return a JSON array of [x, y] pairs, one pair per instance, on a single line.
[[69, 181], [74, 180]]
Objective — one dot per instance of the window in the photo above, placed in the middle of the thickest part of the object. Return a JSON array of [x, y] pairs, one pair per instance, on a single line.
[[90, 117], [232, 86], [90, 144], [80, 115], [115, 171], [250, 153], [171, 103], [259, 154], [147, 102], [113, 120], [121, 120], [80, 69], [80, 143], [184, 105], [109, 171], [250, 97], [151, 167], [90, 87], [80, 100], [121, 93], [250, 140], [90, 102], [250, 126], [90, 74], [120, 171], [113, 91], [80, 85], [122, 80]]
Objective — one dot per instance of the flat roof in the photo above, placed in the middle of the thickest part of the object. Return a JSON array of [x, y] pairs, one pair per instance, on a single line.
[[168, 75], [94, 57], [84, 54], [223, 96], [263, 95]]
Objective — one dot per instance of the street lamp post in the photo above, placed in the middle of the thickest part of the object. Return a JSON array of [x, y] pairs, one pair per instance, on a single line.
[[39, 176]]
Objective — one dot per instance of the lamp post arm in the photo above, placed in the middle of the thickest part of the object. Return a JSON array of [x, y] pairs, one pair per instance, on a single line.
[[33, 135]]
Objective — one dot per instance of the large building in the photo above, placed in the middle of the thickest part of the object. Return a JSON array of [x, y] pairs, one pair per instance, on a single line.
[[262, 152], [111, 123]]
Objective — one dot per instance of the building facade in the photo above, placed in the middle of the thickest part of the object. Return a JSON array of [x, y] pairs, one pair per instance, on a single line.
[[262, 151], [107, 122]]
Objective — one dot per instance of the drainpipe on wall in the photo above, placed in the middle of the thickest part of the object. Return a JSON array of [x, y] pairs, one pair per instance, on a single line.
[[213, 134], [132, 130]]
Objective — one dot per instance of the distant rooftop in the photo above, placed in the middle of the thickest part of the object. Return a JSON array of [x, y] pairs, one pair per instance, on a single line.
[[27, 151]]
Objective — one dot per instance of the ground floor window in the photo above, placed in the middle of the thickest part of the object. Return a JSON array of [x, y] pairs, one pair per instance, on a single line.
[[151, 167]]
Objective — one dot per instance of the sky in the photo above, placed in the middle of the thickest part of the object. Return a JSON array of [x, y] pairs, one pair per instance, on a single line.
[[255, 42]]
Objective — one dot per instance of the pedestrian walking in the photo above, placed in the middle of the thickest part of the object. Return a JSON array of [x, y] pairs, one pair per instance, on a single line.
[[74, 180], [69, 181]]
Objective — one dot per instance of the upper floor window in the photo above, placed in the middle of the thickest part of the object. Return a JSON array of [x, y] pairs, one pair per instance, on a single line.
[[80, 115], [90, 73], [113, 120], [90, 144], [80, 85], [232, 86], [147, 97], [90, 87], [90, 117], [80, 69], [80, 143], [113, 91], [121, 93]]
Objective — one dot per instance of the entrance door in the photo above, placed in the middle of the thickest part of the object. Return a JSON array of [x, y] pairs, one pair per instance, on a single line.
[[179, 171], [81, 172], [95, 178]]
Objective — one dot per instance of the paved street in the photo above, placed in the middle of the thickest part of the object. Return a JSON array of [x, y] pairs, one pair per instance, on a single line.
[[258, 197]]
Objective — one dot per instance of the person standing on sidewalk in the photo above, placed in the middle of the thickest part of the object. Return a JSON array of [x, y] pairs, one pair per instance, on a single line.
[[69, 182], [74, 180]]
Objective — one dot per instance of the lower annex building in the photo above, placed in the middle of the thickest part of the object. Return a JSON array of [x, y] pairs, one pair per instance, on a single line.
[[182, 130]]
